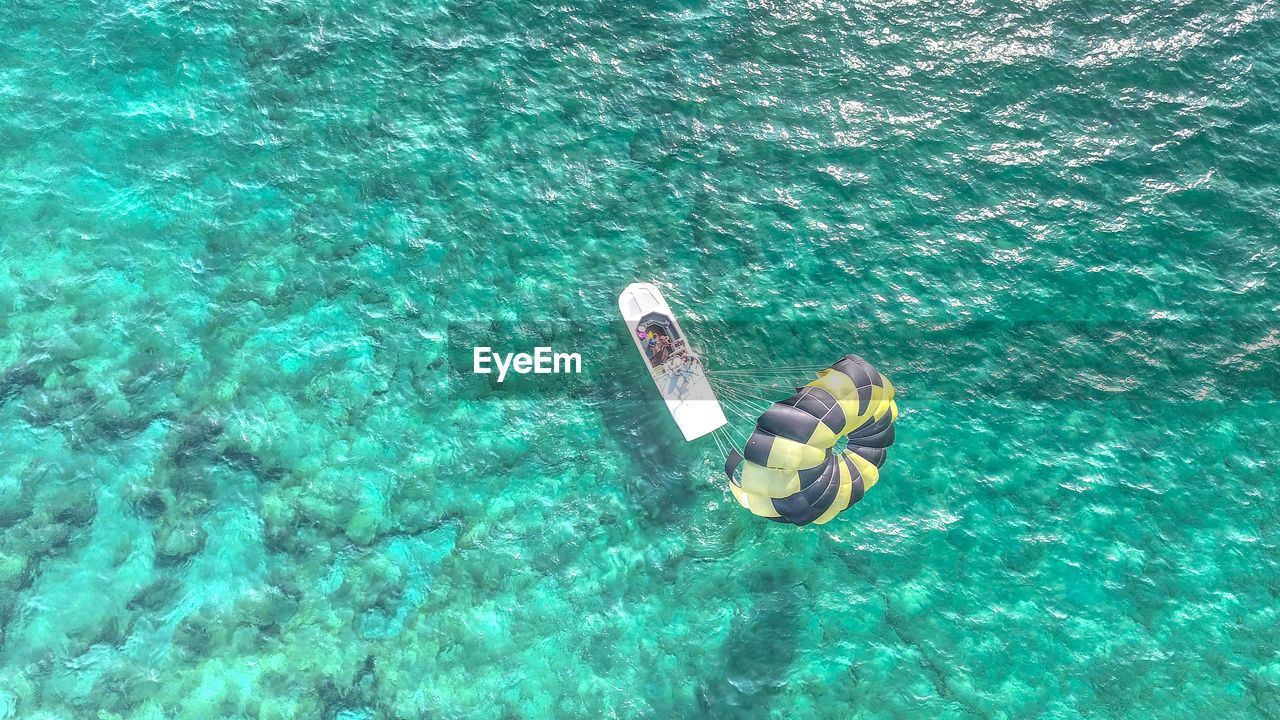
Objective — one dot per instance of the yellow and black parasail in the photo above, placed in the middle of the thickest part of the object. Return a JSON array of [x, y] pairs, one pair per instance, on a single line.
[[790, 470]]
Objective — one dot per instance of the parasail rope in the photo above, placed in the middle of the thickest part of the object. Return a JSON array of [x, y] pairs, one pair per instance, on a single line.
[[745, 391], [777, 367], [715, 435], [762, 380], [738, 410], [729, 441], [759, 379], [778, 370], [735, 435], [755, 385], [744, 406], [747, 395]]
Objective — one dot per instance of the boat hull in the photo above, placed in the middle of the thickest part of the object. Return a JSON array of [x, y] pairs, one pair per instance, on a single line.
[[673, 363]]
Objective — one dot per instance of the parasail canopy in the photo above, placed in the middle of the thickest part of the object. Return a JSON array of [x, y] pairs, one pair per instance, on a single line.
[[791, 469]]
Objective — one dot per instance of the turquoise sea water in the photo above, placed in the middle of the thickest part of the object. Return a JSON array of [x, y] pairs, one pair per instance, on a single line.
[[243, 245]]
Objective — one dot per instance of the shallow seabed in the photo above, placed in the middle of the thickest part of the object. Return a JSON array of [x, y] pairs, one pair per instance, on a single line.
[[243, 245]]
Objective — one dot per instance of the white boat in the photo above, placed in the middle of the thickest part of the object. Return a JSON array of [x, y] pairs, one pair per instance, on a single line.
[[672, 361]]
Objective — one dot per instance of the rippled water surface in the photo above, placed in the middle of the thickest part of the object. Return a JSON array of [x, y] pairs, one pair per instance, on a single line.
[[245, 248]]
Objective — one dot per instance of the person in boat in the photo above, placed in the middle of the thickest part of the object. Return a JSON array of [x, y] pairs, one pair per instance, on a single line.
[[679, 369], [651, 345], [672, 368], [686, 373], [664, 348]]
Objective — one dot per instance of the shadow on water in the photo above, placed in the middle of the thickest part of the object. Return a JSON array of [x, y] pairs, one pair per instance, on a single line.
[[763, 642], [659, 479]]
